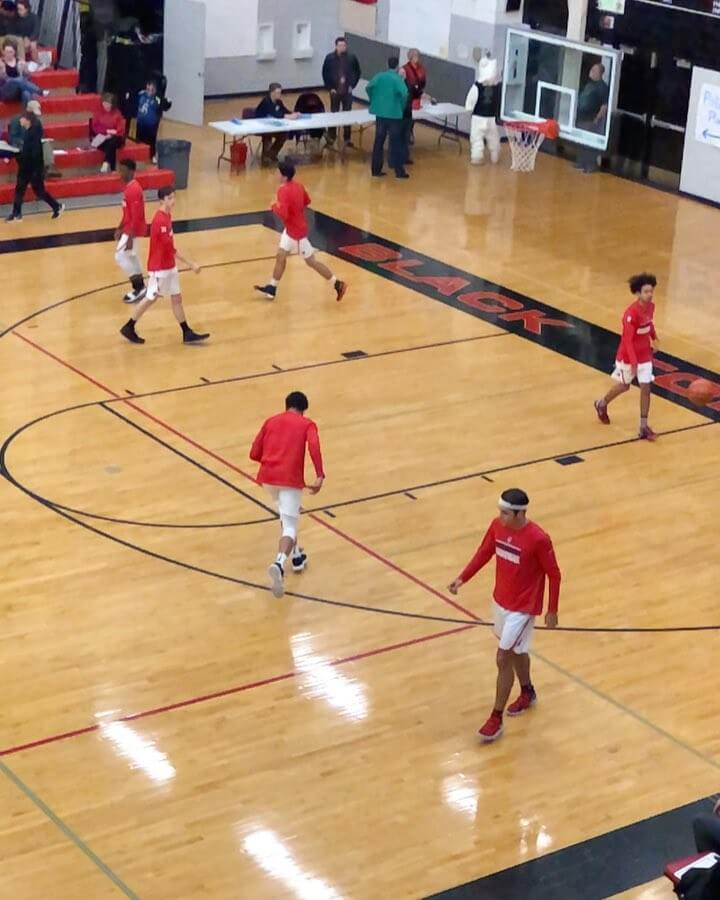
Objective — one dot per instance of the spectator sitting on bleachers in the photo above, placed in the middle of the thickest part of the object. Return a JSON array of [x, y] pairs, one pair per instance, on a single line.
[[706, 828], [698, 881], [107, 130], [8, 18], [26, 27], [14, 85], [13, 136], [16, 133]]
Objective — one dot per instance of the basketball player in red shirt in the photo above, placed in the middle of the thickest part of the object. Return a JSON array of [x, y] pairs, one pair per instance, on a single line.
[[634, 358], [524, 559], [280, 449], [292, 198], [164, 277], [132, 226]]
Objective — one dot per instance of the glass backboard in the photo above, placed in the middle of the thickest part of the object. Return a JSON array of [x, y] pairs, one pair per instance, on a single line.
[[548, 77]]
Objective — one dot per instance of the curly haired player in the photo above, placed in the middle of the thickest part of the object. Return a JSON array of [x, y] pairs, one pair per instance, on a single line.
[[634, 358]]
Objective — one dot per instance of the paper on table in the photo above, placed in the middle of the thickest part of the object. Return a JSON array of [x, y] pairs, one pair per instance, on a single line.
[[705, 862]]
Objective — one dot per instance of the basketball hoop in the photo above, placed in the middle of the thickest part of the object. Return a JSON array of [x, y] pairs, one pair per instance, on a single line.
[[525, 138]]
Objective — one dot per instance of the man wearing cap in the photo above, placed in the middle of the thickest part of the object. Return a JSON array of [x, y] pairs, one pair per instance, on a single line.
[[524, 559]]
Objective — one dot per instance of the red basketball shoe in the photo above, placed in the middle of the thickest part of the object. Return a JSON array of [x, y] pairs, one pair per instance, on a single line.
[[523, 702], [492, 729], [602, 413]]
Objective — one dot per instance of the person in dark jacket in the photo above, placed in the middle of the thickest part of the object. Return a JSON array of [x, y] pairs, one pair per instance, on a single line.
[[26, 27], [706, 828], [341, 73], [272, 107], [31, 169]]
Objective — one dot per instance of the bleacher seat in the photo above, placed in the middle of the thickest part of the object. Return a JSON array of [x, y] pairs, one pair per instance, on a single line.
[[65, 117]]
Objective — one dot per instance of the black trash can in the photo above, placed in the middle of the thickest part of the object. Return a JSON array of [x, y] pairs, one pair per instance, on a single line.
[[175, 155]]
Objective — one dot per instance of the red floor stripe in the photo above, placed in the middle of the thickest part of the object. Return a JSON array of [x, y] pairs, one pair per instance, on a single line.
[[216, 695], [226, 462], [67, 365], [391, 565]]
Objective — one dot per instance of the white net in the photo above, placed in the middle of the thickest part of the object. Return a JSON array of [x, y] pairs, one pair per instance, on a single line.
[[525, 142]]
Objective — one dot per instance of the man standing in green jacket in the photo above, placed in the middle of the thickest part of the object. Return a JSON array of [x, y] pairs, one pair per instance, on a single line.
[[388, 95]]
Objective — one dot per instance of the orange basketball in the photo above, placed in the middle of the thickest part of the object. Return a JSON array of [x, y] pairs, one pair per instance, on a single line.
[[701, 391]]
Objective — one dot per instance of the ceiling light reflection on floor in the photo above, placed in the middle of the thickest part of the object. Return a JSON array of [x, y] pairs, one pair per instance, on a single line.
[[142, 753], [272, 855], [322, 679], [461, 793]]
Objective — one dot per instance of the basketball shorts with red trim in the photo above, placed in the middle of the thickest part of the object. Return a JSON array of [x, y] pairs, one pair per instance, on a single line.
[[514, 630], [165, 283], [626, 372]]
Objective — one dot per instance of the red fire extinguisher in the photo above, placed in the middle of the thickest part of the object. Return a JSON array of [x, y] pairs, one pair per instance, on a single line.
[[238, 156]]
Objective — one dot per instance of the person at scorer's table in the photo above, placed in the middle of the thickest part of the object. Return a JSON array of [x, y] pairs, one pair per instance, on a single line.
[[272, 107]]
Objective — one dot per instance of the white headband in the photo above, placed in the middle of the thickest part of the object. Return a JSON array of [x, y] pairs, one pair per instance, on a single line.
[[515, 507]]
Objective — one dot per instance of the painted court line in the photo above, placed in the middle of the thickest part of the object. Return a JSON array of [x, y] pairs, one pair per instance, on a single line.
[[228, 692], [67, 831], [706, 758], [226, 462]]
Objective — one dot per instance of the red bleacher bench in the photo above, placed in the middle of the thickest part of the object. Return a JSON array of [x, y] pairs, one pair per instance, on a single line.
[[88, 157], [94, 185], [54, 79], [67, 105], [672, 869]]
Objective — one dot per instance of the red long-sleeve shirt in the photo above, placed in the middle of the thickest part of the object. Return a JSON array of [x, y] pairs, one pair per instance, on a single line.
[[292, 198], [637, 334], [524, 558], [280, 449], [104, 121], [133, 206]]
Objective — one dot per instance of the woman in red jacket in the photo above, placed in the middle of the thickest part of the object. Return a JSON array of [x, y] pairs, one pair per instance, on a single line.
[[107, 130], [415, 76]]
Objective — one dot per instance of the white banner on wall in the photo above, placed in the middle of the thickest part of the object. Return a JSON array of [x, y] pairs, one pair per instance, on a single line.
[[230, 28], [700, 175], [707, 121], [424, 24]]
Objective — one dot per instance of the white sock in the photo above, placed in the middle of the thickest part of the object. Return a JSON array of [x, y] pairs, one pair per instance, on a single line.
[[297, 551], [273, 282], [643, 422], [333, 280], [280, 559]]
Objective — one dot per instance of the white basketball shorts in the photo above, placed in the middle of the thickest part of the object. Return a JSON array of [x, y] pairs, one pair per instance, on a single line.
[[164, 283], [514, 630], [287, 499], [303, 247], [625, 372]]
